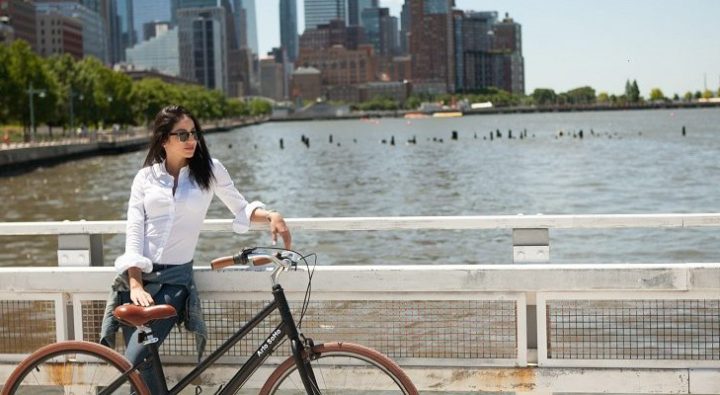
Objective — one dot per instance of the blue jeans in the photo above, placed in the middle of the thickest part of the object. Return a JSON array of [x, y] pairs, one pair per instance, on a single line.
[[175, 295]]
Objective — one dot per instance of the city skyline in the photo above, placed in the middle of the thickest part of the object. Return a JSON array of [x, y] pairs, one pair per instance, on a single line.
[[670, 45]]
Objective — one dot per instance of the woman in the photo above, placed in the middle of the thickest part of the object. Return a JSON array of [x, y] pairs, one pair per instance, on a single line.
[[169, 199]]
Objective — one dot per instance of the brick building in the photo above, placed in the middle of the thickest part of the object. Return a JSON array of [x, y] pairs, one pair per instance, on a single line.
[[58, 34], [432, 45]]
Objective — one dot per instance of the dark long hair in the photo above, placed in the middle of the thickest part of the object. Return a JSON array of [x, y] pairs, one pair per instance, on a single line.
[[201, 168]]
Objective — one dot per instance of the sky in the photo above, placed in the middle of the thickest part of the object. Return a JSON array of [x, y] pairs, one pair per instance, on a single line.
[[673, 45]]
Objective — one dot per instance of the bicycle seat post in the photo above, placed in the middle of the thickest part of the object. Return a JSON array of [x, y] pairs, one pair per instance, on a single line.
[[148, 339]]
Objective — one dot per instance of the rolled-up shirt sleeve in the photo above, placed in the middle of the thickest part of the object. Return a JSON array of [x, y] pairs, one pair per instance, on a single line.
[[135, 230], [225, 189]]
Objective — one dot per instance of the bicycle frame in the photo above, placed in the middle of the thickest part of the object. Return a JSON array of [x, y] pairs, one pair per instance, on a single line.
[[286, 327]]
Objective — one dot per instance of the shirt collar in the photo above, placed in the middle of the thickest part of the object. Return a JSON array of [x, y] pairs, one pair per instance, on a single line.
[[161, 172]]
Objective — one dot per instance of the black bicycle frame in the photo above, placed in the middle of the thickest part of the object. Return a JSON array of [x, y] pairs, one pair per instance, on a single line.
[[286, 328]]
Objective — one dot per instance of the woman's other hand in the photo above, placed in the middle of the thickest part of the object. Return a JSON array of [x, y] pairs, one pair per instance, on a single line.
[[279, 227], [138, 295]]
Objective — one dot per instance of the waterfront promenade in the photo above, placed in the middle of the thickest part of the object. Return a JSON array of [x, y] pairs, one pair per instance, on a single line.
[[19, 156]]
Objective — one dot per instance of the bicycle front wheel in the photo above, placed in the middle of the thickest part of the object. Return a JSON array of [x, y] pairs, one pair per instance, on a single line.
[[74, 367], [342, 368]]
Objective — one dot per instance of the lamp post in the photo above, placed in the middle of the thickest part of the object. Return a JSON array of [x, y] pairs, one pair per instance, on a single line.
[[31, 92], [73, 94]]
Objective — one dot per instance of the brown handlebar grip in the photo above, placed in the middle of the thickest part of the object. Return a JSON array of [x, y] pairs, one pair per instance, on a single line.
[[222, 262], [260, 261]]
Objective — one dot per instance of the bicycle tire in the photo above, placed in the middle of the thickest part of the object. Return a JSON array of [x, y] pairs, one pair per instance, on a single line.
[[342, 368], [82, 365]]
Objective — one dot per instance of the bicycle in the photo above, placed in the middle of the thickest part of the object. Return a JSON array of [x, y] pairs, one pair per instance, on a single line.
[[314, 369]]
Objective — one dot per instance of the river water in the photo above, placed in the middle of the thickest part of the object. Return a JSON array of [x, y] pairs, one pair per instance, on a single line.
[[628, 162]]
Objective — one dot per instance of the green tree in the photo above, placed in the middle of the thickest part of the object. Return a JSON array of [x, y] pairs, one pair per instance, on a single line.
[[582, 95], [260, 107], [688, 96], [543, 96], [603, 98], [413, 102], [63, 68], [148, 96], [697, 95], [237, 108], [657, 95], [676, 97], [5, 84], [707, 94], [634, 95], [25, 68], [118, 88]]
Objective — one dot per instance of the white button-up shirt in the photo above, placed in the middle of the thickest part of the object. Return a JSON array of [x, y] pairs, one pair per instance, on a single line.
[[163, 227]]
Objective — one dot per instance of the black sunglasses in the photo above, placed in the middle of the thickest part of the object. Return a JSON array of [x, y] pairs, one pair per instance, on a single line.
[[184, 135]]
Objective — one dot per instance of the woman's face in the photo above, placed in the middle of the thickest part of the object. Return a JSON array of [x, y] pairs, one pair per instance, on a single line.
[[176, 149]]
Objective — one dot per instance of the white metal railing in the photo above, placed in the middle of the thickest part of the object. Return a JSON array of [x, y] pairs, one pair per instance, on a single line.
[[605, 328], [435, 320], [79, 241]]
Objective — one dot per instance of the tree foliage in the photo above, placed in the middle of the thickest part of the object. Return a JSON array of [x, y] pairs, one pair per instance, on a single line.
[[657, 95], [95, 94], [543, 96], [582, 95], [632, 91]]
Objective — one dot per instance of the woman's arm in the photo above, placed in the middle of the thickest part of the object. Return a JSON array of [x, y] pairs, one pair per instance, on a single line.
[[135, 230], [246, 212]]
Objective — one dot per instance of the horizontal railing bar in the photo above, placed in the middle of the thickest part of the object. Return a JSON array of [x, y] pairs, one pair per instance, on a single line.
[[589, 221]]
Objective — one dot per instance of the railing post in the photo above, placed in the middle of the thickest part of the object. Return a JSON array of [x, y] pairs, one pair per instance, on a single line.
[[80, 250], [531, 245]]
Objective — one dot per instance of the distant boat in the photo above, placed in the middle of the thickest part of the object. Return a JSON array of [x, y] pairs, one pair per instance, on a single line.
[[416, 115], [452, 114]]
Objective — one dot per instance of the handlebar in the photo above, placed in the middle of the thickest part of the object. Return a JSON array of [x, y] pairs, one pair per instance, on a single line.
[[258, 256]]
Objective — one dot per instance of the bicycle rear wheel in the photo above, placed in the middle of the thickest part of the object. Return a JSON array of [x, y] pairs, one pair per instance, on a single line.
[[73, 367], [343, 368]]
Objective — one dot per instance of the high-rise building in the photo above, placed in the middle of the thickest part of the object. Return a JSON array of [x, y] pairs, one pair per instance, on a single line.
[[432, 45], [20, 16], [94, 32], [213, 58], [381, 30], [126, 16], [159, 52], [341, 66], [58, 34], [245, 23], [318, 12], [355, 9], [330, 34], [251, 29], [404, 28], [151, 11], [288, 28], [271, 79], [202, 37], [476, 43], [509, 67], [155, 29], [240, 18], [490, 52]]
